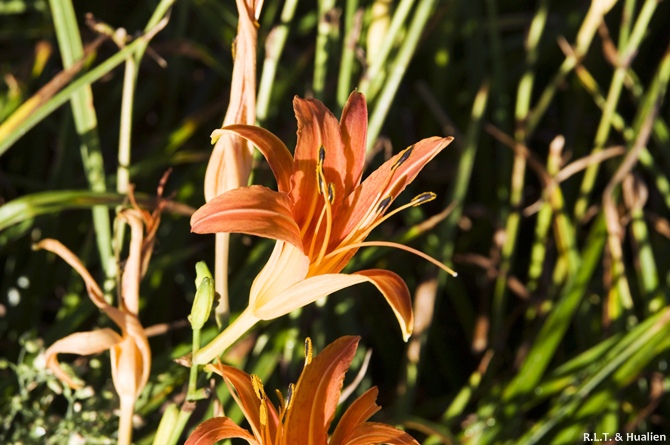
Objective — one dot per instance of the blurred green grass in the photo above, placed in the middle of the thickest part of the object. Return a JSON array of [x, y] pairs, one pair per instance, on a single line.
[[558, 322]]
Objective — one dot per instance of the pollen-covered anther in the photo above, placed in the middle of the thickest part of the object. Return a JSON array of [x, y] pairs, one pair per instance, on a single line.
[[280, 396], [404, 156], [289, 396], [320, 175], [331, 193], [263, 414], [423, 198], [383, 205], [308, 351], [257, 384]]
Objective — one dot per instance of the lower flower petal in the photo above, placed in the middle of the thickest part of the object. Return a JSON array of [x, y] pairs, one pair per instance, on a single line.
[[286, 266], [219, 428], [394, 289], [242, 390], [358, 412], [397, 296], [370, 433], [317, 393]]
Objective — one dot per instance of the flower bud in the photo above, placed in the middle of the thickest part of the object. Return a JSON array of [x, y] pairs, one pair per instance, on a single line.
[[203, 301]]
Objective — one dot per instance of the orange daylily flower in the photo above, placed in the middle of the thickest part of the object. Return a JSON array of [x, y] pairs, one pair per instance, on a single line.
[[304, 417], [129, 349], [320, 215]]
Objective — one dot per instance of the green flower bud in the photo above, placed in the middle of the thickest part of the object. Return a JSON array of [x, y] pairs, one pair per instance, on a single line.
[[201, 271], [202, 303]]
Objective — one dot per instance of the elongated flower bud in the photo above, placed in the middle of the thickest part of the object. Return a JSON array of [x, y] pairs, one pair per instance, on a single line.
[[202, 303]]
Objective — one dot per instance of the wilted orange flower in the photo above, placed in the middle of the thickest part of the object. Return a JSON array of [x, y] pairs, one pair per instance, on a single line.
[[320, 215], [305, 415], [129, 349]]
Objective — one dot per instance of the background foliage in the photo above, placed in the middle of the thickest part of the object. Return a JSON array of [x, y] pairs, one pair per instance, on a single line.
[[558, 323]]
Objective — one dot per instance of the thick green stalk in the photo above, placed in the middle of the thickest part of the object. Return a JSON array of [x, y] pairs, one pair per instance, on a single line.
[[380, 59], [584, 38], [351, 33], [273, 50], [398, 68], [326, 32], [626, 55], [83, 110]]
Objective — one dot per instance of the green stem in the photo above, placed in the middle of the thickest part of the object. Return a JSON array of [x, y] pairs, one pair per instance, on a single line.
[[274, 47], [69, 41], [379, 60], [351, 33], [189, 404], [325, 31], [398, 69]]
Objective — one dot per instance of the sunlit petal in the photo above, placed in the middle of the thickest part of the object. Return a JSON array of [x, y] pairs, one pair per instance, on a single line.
[[219, 428], [245, 396], [309, 290], [82, 343], [388, 180], [317, 393], [317, 127], [354, 128], [254, 210], [304, 292], [287, 265], [278, 156], [358, 412], [397, 296], [371, 433]]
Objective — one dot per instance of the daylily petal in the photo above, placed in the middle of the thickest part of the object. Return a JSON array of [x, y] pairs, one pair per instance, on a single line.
[[278, 156], [269, 306], [219, 428], [397, 296], [317, 393], [239, 384], [317, 127], [370, 433], [387, 181], [394, 289], [82, 343], [358, 412], [354, 129], [286, 266], [226, 338], [254, 210]]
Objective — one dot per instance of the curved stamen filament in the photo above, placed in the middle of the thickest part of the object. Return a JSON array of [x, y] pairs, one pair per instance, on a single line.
[[378, 206], [416, 201], [316, 232], [363, 230], [329, 225], [367, 218], [426, 257]]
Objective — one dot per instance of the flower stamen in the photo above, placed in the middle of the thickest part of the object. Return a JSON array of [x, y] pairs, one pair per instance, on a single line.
[[426, 257], [309, 351], [404, 156]]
